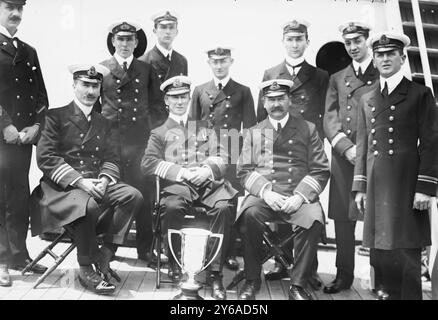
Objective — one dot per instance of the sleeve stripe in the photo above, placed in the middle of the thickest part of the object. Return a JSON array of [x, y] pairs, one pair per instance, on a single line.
[[427, 178], [110, 166], [63, 174], [59, 169], [338, 137], [41, 109], [162, 168], [313, 183], [360, 178], [252, 178]]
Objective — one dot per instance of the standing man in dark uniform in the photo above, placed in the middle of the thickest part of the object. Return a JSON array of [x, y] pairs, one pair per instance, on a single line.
[[166, 61], [80, 188], [228, 105], [307, 96], [310, 83], [191, 163], [345, 89], [23, 102], [284, 168], [132, 100], [396, 170]]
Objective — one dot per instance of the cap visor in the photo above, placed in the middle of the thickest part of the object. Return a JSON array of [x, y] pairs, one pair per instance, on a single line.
[[350, 36], [294, 34], [386, 49], [177, 92], [85, 79], [275, 94]]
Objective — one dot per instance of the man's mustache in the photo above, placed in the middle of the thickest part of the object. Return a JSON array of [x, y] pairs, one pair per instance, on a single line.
[[15, 18], [277, 109]]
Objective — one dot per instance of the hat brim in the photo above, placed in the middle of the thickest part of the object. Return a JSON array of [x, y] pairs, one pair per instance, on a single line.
[[141, 47], [386, 49], [275, 94], [86, 79], [350, 36], [177, 92], [294, 33]]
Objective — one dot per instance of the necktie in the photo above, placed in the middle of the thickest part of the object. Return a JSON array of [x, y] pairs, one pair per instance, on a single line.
[[125, 66], [168, 56], [15, 42], [385, 90], [294, 68], [181, 123], [219, 86], [278, 127], [359, 73]]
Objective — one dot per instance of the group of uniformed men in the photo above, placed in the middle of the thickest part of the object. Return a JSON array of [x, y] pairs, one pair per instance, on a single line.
[[99, 156]]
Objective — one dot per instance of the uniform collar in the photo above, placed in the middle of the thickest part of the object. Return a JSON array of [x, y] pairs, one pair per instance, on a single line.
[[224, 81], [164, 51], [282, 121], [5, 32], [178, 118], [363, 65], [393, 81], [120, 60], [293, 61], [85, 109]]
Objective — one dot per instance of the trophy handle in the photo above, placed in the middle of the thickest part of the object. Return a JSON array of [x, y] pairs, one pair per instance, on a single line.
[[169, 235], [220, 237]]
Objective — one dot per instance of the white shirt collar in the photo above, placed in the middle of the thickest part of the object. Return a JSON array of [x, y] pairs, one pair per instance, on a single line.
[[164, 51], [363, 65], [178, 118], [224, 81], [293, 61], [282, 121], [393, 81], [85, 109], [7, 34], [120, 60]]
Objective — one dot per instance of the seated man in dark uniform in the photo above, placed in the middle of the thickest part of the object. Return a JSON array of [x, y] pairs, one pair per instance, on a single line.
[[192, 165], [80, 189], [284, 168]]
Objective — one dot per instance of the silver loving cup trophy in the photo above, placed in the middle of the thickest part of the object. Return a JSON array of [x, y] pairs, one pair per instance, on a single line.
[[194, 243]]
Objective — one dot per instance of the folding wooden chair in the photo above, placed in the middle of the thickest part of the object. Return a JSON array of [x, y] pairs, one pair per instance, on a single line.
[[49, 250]]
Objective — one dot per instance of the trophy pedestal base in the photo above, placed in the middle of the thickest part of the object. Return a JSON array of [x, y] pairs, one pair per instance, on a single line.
[[189, 292]]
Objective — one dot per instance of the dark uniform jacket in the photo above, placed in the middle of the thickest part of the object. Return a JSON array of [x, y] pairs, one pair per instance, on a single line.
[[391, 167], [166, 69], [229, 108], [133, 102], [340, 122], [23, 96], [70, 147], [172, 147], [293, 162], [307, 93]]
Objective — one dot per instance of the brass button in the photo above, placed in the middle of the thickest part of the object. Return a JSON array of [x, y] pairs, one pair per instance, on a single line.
[[227, 105], [18, 114], [373, 120], [376, 153], [302, 97], [289, 161], [374, 142], [18, 96], [226, 116], [348, 107], [391, 152], [120, 109], [347, 84], [78, 154], [135, 109], [119, 100], [373, 131], [82, 147], [290, 169], [211, 106], [136, 80], [373, 109], [290, 141], [98, 137], [211, 115], [81, 162], [81, 135], [31, 97], [274, 181], [135, 100], [136, 90], [348, 119], [16, 79], [272, 171], [30, 80], [134, 119], [349, 96], [97, 148], [302, 111], [118, 80], [289, 180], [348, 131], [392, 108], [390, 141], [391, 118], [391, 129], [369, 82], [118, 90], [289, 153]]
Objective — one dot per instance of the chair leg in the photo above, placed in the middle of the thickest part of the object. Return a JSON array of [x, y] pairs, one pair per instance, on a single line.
[[58, 261], [158, 271], [44, 252]]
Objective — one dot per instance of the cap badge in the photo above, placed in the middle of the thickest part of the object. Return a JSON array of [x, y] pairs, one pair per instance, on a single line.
[[293, 24], [351, 27], [177, 83], [167, 15], [383, 39], [125, 26], [274, 86], [92, 72]]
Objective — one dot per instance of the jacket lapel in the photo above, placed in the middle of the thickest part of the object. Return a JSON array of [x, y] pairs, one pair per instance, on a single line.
[[371, 73], [352, 82], [133, 71], [7, 46], [21, 52], [94, 127], [302, 77], [226, 92], [286, 132], [78, 118], [212, 92], [395, 97], [116, 69]]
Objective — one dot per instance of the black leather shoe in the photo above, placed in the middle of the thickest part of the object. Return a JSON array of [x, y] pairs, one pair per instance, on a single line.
[[218, 291], [232, 264], [336, 286], [90, 280], [249, 290], [103, 266], [278, 273], [299, 293], [315, 281], [5, 278], [382, 294], [37, 268]]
